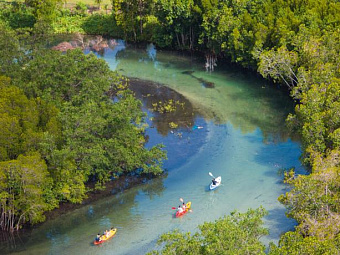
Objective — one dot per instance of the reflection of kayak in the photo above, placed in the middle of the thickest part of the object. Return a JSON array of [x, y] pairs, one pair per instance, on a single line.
[[218, 179], [104, 238], [188, 205]]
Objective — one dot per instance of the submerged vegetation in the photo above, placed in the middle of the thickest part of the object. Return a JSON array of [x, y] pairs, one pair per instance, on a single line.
[[294, 43], [167, 106]]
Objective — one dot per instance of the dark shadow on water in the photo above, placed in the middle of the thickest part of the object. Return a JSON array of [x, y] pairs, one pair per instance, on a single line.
[[276, 156], [205, 83], [12, 241], [207, 188], [279, 222], [279, 156]]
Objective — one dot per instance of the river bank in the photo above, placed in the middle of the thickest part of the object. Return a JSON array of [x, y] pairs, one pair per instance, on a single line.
[[112, 188]]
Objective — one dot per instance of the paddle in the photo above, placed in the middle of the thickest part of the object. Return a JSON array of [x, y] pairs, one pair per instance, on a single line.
[[174, 208], [189, 210], [212, 175]]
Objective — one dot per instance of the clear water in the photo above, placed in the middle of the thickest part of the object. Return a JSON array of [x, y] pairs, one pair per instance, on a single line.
[[243, 139]]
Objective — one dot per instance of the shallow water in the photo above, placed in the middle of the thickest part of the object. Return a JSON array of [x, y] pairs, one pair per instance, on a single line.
[[242, 139]]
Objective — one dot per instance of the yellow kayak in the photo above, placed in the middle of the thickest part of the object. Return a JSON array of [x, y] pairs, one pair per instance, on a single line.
[[104, 238]]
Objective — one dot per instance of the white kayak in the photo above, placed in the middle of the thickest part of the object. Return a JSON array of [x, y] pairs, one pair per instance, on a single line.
[[218, 180]]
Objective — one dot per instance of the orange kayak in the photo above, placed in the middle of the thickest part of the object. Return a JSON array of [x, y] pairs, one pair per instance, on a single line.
[[104, 238]]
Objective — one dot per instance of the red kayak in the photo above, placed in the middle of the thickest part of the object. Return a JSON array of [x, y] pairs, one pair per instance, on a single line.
[[187, 208], [104, 238]]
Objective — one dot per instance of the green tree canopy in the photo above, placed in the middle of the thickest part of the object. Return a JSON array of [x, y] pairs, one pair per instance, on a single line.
[[237, 233], [102, 122], [23, 121], [24, 189]]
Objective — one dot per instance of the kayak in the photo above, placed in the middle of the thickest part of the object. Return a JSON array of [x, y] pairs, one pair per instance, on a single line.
[[104, 238], [187, 208], [219, 180]]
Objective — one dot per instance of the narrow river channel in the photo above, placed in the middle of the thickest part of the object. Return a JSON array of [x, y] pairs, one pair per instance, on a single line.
[[232, 125]]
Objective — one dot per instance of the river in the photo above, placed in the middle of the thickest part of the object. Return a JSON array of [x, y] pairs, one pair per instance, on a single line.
[[231, 124]]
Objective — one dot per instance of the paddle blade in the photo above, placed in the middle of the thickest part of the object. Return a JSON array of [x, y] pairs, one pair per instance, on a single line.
[[181, 199], [211, 175], [173, 208]]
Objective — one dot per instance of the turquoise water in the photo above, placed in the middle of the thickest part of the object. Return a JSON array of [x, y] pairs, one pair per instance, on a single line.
[[243, 139]]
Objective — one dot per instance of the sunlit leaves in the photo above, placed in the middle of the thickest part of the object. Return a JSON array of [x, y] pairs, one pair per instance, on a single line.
[[320, 115], [293, 243], [44, 9], [178, 19], [132, 16], [23, 122], [9, 50], [237, 233], [22, 185], [314, 199], [279, 65], [71, 77]]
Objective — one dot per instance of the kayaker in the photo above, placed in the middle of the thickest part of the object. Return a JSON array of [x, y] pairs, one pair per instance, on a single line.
[[214, 182], [184, 207], [180, 210], [98, 239]]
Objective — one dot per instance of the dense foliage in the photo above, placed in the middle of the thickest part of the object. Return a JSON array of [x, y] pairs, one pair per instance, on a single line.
[[237, 233], [294, 43], [66, 119]]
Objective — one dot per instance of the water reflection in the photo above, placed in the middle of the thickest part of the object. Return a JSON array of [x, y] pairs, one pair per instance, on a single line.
[[151, 50], [154, 188], [99, 47]]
